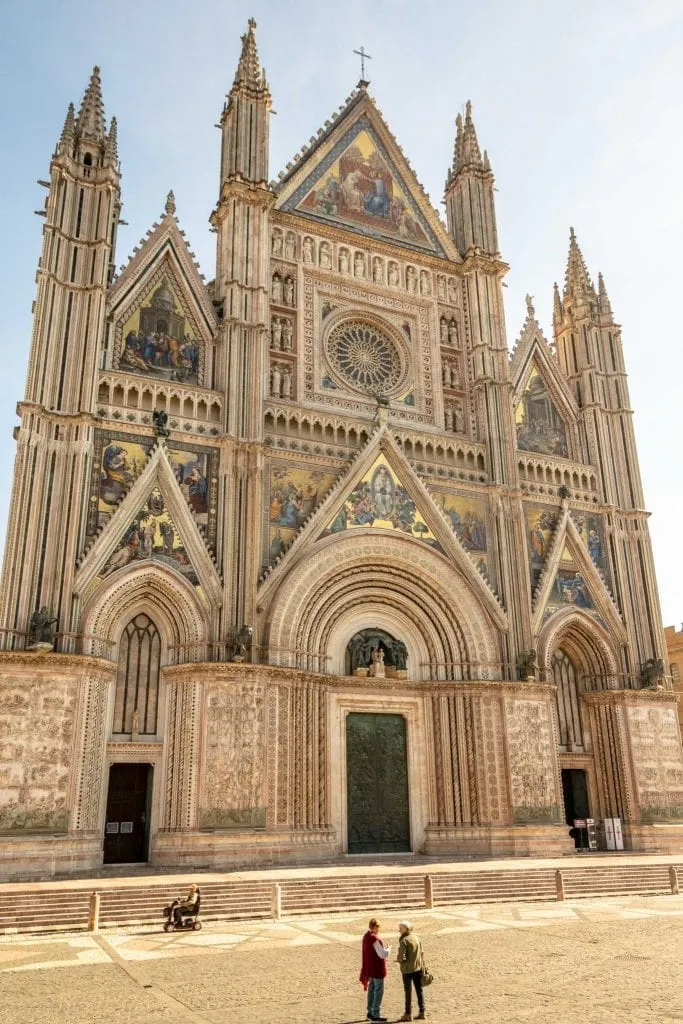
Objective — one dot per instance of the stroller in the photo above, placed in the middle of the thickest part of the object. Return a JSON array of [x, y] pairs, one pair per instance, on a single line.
[[189, 920]]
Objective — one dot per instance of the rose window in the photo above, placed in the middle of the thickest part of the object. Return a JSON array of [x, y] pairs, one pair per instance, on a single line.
[[365, 357]]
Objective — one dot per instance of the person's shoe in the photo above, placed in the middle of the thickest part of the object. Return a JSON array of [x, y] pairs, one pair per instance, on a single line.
[[421, 1015], [406, 1016]]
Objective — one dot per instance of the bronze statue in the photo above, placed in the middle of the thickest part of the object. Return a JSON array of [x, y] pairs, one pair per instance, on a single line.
[[160, 419], [241, 644], [652, 674], [42, 629], [527, 667]]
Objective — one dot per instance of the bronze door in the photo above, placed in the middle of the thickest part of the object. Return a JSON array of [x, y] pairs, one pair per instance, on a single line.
[[377, 784], [126, 829]]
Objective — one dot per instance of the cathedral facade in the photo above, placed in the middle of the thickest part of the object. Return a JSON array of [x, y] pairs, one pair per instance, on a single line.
[[303, 561]]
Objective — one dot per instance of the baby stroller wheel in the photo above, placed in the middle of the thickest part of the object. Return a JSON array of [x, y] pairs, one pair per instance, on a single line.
[[197, 926], [168, 926]]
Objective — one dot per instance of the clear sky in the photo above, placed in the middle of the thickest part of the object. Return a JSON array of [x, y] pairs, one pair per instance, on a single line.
[[578, 104]]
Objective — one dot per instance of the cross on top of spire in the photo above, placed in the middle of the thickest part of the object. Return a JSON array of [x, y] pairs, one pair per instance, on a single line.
[[363, 57]]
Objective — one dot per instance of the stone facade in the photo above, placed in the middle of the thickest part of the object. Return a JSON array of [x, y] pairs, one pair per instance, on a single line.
[[674, 657], [319, 486]]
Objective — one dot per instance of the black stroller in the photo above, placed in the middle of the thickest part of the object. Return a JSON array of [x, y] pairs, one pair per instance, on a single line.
[[189, 919]]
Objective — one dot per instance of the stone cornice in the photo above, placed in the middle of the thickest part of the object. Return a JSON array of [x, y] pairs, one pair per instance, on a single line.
[[51, 660], [240, 672], [474, 261], [630, 697]]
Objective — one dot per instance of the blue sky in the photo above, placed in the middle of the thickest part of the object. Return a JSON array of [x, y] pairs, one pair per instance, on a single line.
[[578, 105]]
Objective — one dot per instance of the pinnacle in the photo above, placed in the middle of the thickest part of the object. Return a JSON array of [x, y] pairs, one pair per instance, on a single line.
[[467, 153], [90, 121], [111, 149], [249, 72], [604, 304], [68, 135], [577, 279], [170, 204]]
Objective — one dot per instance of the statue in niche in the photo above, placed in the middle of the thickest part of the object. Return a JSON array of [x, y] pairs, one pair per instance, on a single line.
[[452, 291], [425, 284], [394, 653], [275, 381], [159, 421], [276, 289], [393, 275], [443, 325], [287, 383], [308, 250], [289, 291], [277, 243], [652, 674], [42, 629], [241, 644], [359, 265], [377, 663], [441, 287], [277, 332], [411, 279], [526, 664], [378, 271], [453, 332], [325, 257], [343, 261], [287, 332], [290, 246]]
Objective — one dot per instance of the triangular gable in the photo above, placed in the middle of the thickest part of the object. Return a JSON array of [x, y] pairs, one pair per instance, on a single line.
[[571, 579], [544, 406], [381, 473], [153, 521], [160, 309], [355, 176]]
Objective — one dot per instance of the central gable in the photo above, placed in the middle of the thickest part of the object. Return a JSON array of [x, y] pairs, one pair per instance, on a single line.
[[357, 186]]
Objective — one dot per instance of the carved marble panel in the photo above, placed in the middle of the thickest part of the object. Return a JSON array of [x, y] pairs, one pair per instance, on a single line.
[[531, 755], [234, 757], [657, 762], [36, 739]]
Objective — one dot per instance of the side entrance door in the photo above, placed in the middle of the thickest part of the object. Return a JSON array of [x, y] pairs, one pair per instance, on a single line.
[[377, 784], [126, 830]]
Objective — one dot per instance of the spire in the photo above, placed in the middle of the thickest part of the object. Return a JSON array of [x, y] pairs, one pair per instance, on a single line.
[[67, 139], [557, 308], [90, 121], [604, 305], [467, 152], [577, 282], [170, 204], [111, 154], [249, 72]]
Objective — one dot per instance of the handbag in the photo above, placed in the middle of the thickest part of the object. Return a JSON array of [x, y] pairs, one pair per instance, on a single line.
[[427, 976]]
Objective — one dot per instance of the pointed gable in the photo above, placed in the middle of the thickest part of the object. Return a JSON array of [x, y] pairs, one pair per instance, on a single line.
[[160, 309], [154, 522], [356, 177], [544, 407]]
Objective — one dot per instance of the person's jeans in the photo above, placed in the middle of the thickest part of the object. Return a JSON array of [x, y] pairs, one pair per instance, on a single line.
[[408, 981], [375, 993]]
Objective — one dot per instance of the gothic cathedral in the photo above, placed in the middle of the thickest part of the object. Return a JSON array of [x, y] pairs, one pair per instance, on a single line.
[[303, 562]]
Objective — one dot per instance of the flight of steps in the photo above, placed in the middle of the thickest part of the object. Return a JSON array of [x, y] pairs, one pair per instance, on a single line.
[[64, 909]]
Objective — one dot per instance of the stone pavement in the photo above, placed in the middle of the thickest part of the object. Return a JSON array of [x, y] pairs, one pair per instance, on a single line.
[[586, 960]]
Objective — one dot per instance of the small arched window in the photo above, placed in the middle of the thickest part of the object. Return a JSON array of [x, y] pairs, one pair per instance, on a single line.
[[567, 696], [87, 159], [136, 703]]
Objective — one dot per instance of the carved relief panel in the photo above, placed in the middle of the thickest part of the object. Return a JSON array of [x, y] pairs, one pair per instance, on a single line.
[[532, 761], [657, 761]]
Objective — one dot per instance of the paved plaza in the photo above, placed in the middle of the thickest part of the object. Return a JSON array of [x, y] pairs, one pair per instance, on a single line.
[[589, 960]]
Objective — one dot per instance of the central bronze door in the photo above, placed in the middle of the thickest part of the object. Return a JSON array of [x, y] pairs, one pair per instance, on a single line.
[[377, 784]]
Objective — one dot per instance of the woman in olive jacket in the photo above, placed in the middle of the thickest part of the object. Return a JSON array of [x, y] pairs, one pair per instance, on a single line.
[[411, 961]]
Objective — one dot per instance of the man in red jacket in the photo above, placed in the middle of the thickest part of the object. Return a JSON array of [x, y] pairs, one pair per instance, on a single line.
[[374, 969]]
